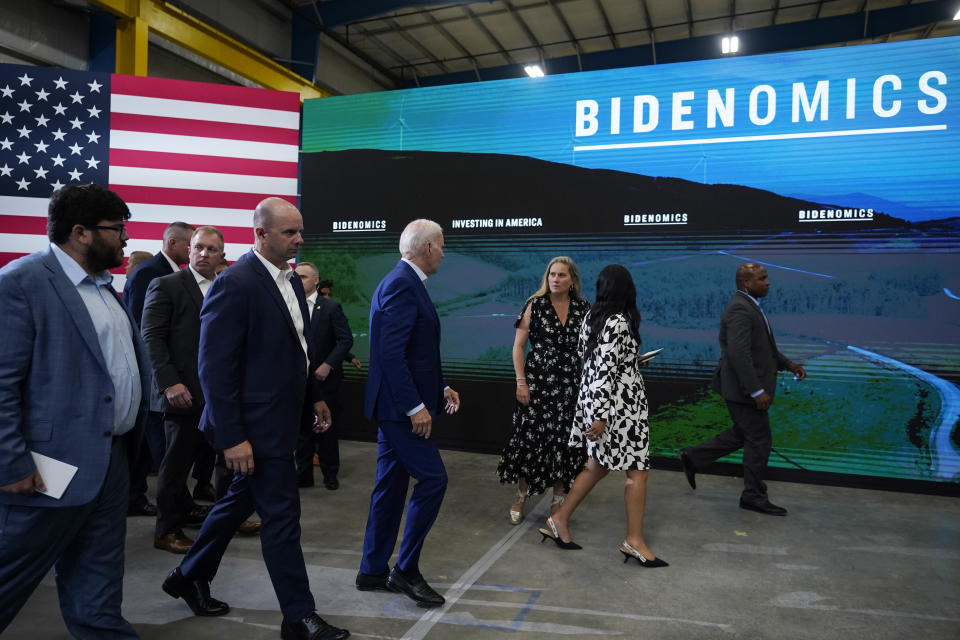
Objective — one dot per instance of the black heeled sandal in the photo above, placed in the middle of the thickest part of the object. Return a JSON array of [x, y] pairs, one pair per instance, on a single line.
[[633, 553], [556, 537]]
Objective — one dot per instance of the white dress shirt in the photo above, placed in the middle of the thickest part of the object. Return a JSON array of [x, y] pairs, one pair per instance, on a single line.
[[173, 265], [202, 282], [282, 278], [115, 335], [311, 303]]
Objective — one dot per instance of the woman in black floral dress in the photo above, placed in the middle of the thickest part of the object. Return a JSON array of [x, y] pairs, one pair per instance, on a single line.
[[537, 455], [611, 415]]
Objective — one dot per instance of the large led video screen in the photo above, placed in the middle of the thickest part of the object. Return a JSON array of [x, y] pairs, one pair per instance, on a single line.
[[838, 169]]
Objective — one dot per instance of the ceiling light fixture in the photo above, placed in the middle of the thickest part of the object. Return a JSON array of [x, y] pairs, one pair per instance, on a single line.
[[729, 44], [534, 70]]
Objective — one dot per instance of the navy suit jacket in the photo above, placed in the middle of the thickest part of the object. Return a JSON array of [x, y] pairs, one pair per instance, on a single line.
[[404, 348], [253, 371], [56, 394], [135, 288], [749, 358], [171, 331], [330, 335]]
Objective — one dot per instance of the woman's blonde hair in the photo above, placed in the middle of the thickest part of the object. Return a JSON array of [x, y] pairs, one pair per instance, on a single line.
[[576, 289]]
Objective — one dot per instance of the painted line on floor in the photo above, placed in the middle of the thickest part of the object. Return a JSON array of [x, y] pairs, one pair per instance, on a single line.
[[429, 619], [810, 600]]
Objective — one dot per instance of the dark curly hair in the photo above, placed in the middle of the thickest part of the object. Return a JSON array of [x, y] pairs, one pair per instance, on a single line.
[[616, 293], [85, 205]]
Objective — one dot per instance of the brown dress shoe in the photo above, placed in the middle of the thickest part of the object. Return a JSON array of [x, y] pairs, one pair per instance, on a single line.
[[174, 542], [249, 527]]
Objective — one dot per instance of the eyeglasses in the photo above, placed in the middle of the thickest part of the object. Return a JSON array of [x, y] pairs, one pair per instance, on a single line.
[[120, 229]]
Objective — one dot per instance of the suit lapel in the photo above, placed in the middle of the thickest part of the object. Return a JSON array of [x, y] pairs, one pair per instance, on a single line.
[[189, 283], [76, 309], [272, 290]]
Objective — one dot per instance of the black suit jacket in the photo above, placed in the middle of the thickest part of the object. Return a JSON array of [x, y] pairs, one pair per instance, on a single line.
[[330, 335], [749, 358], [135, 288], [171, 329]]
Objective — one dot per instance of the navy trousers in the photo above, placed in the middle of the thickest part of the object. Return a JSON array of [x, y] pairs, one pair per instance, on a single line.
[[272, 492], [84, 545], [401, 455]]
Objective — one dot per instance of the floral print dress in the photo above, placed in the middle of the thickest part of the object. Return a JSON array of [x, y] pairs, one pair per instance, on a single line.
[[538, 451], [612, 390]]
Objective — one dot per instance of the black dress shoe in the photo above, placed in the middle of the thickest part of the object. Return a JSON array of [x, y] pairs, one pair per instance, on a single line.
[[204, 493], [367, 582], [764, 506], [688, 469], [415, 588], [145, 509], [313, 627], [195, 593], [197, 515], [331, 483]]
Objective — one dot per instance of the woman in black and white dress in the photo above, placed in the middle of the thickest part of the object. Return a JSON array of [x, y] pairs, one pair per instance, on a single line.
[[611, 414]]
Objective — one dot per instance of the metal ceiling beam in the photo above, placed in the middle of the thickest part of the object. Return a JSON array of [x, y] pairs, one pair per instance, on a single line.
[[650, 33], [416, 45], [689, 19], [606, 24], [453, 41], [478, 22], [137, 17], [770, 39], [524, 26], [776, 11], [335, 13], [568, 31]]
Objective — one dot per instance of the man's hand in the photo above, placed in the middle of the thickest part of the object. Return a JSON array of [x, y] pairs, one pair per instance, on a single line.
[[798, 371], [27, 486], [239, 458], [453, 400], [763, 401], [355, 361], [322, 371], [422, 423], [178, 396], [321, 416]]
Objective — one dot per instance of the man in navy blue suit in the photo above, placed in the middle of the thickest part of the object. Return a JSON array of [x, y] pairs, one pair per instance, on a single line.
[[254, 367], [405, 390], [73, 377]]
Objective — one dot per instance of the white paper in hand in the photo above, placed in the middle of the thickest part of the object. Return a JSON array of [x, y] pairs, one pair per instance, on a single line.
[[56, 475]]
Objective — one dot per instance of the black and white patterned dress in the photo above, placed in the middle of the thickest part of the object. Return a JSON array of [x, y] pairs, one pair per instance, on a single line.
[[537, 451], [612, 390]]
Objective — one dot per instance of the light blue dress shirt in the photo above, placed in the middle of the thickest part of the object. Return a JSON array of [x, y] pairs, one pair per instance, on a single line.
[[115, 335]]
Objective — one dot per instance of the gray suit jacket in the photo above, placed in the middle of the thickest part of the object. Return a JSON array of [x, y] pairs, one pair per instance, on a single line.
[[749, 358], [56, 394]]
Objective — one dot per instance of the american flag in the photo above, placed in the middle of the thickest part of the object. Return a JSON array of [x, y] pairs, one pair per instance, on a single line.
[[173, 150]]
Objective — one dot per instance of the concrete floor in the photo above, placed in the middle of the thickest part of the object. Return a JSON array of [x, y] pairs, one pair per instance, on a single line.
[[846, 563]]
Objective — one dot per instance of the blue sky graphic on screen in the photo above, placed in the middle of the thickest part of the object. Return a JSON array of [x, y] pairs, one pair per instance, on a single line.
[[836, 168]]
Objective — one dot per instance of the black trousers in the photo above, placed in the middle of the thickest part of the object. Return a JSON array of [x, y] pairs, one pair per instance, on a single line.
[[173, 498], [750, 432], [326, 445]]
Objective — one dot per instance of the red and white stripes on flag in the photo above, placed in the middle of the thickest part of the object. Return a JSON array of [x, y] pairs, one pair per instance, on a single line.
[[202, 153]]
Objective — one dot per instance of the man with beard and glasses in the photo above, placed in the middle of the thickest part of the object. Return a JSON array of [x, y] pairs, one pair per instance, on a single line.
[[73, 375]]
